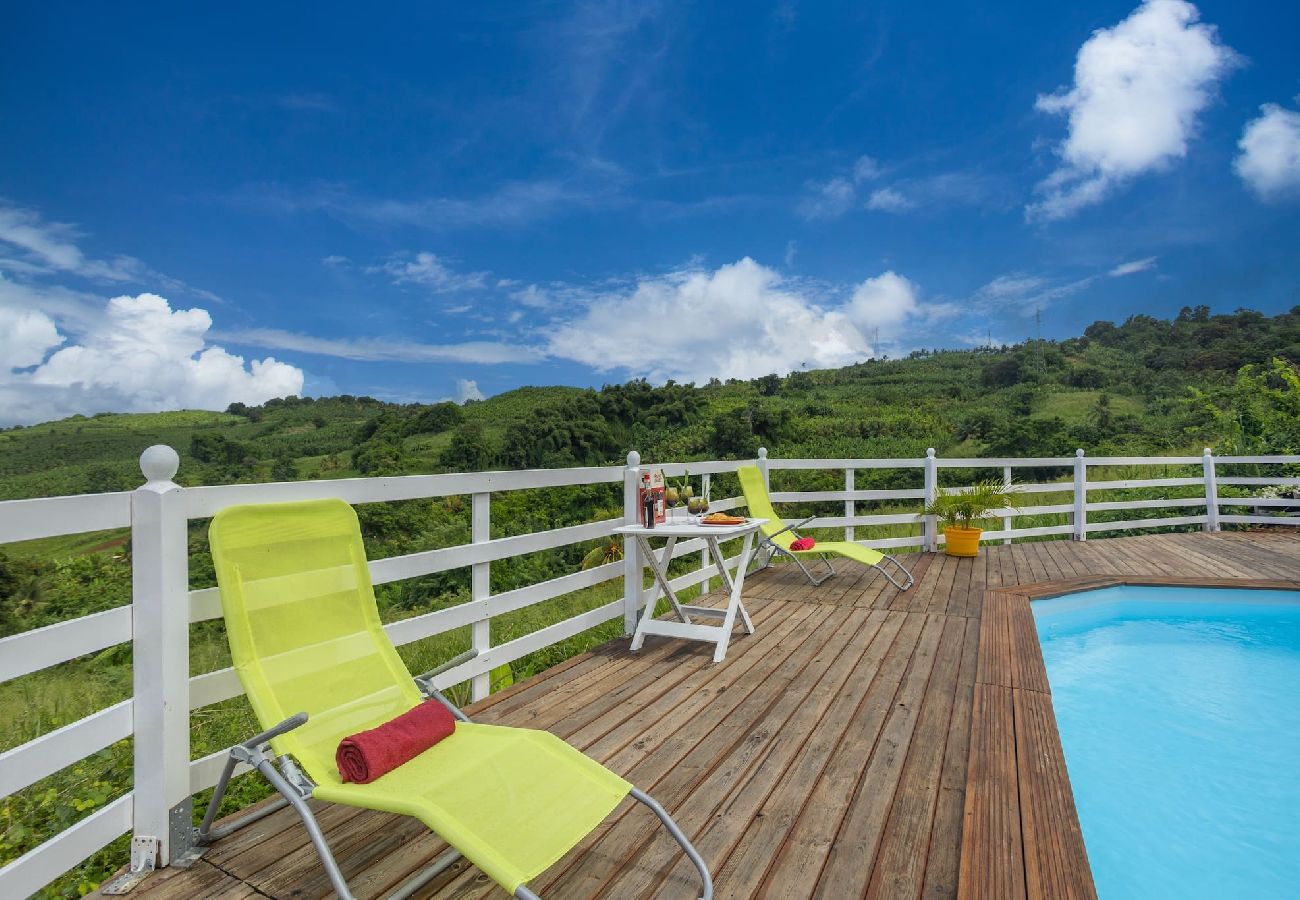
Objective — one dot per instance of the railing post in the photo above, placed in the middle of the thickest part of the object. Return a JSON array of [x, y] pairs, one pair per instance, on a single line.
[[762, 467], [1080, 496], [705, 561], [481, 588], [160, 659], [1211, 492], [931, 536], [1006, 520], [631, 554], [848, 504]]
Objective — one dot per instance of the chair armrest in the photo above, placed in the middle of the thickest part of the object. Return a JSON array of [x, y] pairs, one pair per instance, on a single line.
[[275, 731], [789, 528], [425, 679]]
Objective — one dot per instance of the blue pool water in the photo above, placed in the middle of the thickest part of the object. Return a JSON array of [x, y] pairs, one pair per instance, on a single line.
[[1179, 712]]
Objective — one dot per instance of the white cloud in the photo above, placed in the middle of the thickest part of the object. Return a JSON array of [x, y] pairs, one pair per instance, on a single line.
[[143, 356], [833, 198], [865, 169], [1269, 161], [885, 302], [1027, 293], [26, 336], [741, 320], [49, 248], [467, 389], [791, 251], [377, 349], [1132, 268], [1010, 287], [427, 269], [1138, 89], [532, 296], [50, 243], [888, 199], [828, 199]]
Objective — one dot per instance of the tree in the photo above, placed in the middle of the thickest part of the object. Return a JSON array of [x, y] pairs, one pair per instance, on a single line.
[[733, 435], [768, 385], [283, 468], [438, 417], [1259, 413], [1101, 413], [469, 450], [1003, 373], [214, 447]]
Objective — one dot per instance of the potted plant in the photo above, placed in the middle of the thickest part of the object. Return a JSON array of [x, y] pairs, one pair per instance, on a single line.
[[958, 509]]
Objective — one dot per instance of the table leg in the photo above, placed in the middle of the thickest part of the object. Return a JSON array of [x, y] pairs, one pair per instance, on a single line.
[[733, 601], [659, 567], [728, 583]]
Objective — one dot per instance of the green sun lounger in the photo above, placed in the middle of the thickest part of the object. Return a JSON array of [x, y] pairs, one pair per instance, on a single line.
[[776, 537], [311, 653]]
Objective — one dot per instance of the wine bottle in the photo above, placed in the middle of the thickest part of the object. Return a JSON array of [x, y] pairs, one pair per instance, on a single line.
[[647, 502]]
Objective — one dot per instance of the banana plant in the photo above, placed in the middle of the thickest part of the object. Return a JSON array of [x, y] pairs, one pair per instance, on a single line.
[[607, 551]]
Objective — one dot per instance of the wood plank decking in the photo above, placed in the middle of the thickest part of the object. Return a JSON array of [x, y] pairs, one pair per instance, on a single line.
[[827, 756]]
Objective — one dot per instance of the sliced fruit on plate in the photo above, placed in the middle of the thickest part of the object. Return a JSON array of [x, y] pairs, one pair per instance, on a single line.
[[723, 519]]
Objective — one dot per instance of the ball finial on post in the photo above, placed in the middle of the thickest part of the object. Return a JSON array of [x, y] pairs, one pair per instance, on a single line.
[[159, 463], [633, 459], [762, 453]]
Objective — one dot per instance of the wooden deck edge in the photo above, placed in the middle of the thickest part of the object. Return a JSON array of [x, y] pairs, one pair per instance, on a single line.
[[1021, 836]]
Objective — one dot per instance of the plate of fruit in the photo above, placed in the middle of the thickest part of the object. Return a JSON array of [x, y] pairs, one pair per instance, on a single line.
[[720, 518]]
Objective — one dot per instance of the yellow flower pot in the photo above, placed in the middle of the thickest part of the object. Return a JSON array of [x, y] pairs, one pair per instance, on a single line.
[[962, 541]]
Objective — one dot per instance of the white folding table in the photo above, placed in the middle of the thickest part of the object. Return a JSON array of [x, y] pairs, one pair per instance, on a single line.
[[713, 536]]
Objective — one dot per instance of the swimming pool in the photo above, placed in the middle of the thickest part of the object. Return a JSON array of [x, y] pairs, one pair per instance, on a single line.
[[1179, 714]]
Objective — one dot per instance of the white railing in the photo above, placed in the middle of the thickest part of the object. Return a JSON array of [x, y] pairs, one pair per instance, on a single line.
[[163, 607]]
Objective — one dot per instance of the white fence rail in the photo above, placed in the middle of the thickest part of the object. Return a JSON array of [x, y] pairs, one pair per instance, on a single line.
[[158, 620]]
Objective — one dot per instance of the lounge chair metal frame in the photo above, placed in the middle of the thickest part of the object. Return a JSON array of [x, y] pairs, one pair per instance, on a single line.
[[769, 549], [296, 788]]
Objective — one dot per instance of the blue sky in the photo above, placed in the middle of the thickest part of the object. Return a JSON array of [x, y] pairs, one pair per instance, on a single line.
[[441, 200]]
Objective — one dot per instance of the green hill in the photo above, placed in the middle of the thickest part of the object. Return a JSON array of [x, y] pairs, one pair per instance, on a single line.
[[1143, 387], [1116, 388]]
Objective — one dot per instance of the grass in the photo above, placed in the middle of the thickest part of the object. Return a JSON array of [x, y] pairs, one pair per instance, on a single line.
[[65, 545], [1079, 407]]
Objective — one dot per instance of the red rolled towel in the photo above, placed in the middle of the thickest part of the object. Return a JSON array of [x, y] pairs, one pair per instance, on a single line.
[[802, 544], [365, 756]]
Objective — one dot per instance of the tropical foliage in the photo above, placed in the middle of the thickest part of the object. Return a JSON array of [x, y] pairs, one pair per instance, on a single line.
[[1142, 387]]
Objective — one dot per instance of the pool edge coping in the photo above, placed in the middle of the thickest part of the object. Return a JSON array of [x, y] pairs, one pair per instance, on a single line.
[[1021, 835]]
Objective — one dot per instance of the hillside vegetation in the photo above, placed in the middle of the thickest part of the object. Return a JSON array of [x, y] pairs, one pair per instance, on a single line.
[[1145, 386]]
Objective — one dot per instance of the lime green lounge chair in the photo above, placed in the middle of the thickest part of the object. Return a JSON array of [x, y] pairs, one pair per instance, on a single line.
[[308, 646], [776, 537]]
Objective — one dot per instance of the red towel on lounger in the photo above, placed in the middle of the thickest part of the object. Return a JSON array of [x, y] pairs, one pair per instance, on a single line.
[[803, 544], [365, 756]]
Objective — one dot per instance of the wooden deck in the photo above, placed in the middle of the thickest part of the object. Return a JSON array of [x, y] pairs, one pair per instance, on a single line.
[[828, 756]]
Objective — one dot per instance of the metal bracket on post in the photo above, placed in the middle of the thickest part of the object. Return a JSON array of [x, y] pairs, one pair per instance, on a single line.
[[144, 860], [632, 589], [1211, 492], [1080, 496], [180, 832], [930, 538]]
